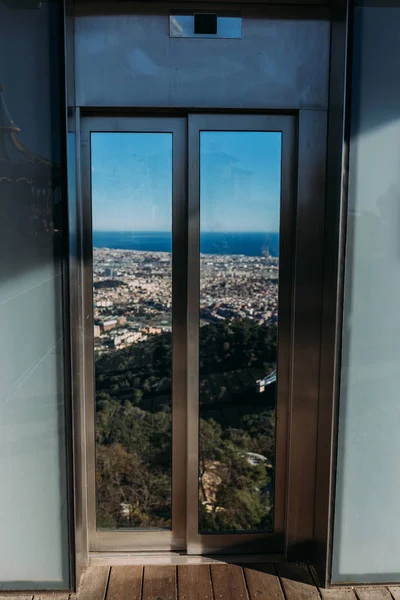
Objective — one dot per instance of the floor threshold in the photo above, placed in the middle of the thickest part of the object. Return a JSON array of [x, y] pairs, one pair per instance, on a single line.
[[177, 558]]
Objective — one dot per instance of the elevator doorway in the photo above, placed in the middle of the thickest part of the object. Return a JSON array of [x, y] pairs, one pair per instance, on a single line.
[[188, 292], [202, 235]]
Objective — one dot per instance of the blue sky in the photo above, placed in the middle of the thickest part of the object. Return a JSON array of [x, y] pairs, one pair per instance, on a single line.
[[239, 181]]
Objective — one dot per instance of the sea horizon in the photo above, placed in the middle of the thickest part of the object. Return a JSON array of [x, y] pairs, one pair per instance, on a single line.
[[225, 243]]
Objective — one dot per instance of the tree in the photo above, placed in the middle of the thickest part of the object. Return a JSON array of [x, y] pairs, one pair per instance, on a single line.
[[134, 430]]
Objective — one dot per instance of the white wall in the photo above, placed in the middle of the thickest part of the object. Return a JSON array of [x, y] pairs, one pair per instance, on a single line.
[[367, 514], [33, 506]]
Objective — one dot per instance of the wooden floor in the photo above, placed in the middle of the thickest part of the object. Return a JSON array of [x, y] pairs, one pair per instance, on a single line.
[[210, 582]]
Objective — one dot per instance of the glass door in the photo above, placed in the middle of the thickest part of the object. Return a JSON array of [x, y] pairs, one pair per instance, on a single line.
[[135, 285], [187, 254], [240, 215]]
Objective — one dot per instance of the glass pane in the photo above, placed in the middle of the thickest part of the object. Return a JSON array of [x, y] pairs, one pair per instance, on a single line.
[[239, 269], [132, 295]]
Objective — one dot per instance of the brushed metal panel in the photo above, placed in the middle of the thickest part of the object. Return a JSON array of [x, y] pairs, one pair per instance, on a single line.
[[76, 337], [335, 226], [130, 60], [69, 53], [306, 332]]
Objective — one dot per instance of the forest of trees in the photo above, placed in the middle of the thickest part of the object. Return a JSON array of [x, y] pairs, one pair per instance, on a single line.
[[236, 457]]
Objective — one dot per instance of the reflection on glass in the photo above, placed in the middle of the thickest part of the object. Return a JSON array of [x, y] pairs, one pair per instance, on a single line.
[[239, 269], [132, 212]]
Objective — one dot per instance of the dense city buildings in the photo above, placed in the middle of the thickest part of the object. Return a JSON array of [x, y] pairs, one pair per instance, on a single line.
[[237, 374], [133, 293]]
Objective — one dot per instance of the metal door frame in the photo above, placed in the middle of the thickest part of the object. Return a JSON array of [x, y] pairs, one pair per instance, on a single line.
[[132, 540], [308, 229], [185, 367]]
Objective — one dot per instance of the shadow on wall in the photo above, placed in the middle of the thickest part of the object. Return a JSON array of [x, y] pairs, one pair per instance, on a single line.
[[31, 202], [32, 250]]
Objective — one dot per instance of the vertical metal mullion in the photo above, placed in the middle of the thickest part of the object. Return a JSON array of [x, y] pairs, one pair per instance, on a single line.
[[285, 307], [78, 372], [193, 314], [179, 367], [87, 331]]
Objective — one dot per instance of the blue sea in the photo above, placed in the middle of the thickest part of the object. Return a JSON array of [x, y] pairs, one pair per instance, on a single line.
[[249, 244]]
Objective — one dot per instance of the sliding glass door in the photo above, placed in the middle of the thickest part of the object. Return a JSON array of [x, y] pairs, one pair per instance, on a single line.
[[187, 293], [238, 331], [135, 238]]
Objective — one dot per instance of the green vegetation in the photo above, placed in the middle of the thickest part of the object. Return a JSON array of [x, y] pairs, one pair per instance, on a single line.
[[133, 431], [235, 495], [108, 284]]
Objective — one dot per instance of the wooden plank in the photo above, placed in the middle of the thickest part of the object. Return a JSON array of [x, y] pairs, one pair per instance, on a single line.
[[395, 591], [228, 582], [338, 594], [125, 583], [373, 593], [194, 582], [94, 584], [159, 583], [262, 581], [297, 582]]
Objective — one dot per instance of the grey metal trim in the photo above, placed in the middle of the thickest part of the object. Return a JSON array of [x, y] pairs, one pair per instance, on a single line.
[[138, 540], [297, 9], [239, 543], [81, 548], [70, 51], [65, 225], [77, 363], [307, 303], [334, 265], [176, 558]]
